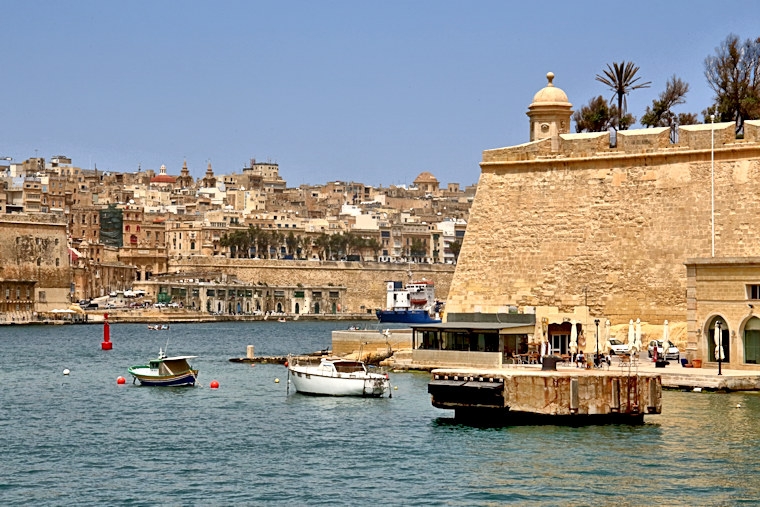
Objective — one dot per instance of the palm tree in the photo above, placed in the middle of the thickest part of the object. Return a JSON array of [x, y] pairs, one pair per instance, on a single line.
[[621, 79]]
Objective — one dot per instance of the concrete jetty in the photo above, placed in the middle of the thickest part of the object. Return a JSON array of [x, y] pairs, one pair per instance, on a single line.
[[534, 396]]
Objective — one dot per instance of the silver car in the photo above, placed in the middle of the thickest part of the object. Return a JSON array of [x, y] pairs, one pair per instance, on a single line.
[[672, 350]]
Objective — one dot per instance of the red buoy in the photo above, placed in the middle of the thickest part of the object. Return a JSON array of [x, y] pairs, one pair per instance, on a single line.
[[214, 384], [121, 380], [286, 364], [106, 343]]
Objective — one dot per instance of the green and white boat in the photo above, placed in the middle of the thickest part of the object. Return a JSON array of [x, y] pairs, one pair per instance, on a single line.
[[165, 371]]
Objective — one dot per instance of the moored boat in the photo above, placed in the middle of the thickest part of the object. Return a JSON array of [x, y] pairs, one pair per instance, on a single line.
[[413, 304], [338, 377], [165, 371]]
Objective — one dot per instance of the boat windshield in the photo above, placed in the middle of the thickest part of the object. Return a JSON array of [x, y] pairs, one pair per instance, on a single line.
[[348, 366]]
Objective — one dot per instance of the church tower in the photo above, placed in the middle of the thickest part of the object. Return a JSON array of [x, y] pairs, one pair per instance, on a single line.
[[549, 113], [209, 181]]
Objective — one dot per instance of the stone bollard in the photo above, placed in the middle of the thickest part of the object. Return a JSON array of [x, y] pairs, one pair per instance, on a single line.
[[250, 351]]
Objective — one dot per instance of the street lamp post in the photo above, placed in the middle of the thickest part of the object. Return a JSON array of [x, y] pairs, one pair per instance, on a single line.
[[719, 345], [596, 358]]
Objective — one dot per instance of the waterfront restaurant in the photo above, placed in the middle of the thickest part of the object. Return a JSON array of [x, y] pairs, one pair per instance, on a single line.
[[476, 344], [492, 340]]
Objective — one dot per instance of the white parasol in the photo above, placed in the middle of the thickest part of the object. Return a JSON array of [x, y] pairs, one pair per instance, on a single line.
[[638, 334], [607, 344], [631, 338], [718, 338], [573, 338]]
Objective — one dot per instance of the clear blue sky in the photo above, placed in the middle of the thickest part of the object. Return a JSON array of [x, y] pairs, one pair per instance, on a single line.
[[365, 91]]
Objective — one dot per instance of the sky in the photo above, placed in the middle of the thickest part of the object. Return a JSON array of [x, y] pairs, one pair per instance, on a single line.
[[331, 90]]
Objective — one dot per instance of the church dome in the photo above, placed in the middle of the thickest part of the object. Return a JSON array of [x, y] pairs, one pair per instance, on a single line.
[[425, 177], [550, 94]]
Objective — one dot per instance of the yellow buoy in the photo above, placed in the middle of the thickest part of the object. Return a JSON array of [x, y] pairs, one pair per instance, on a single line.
[[276, 381]]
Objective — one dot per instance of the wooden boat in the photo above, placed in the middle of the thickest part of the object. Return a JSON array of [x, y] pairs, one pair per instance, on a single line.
[[165, 371], [338, 377]]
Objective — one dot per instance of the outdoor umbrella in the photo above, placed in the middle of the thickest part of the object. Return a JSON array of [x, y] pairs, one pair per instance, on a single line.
[[719, 353], [573, 338], [638, 334], [631, 337], [607, 344]]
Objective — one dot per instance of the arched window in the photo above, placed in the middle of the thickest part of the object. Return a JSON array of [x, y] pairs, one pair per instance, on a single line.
[[126, 228]]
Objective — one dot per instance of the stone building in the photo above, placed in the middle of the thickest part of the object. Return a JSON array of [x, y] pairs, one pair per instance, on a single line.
[[569, 220], [34, 264]]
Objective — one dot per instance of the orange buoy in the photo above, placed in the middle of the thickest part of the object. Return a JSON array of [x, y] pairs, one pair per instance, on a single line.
[[214, 384], [121, 380], [286, 364]]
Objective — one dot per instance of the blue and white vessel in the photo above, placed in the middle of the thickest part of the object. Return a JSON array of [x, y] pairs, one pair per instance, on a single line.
[[413, 304]]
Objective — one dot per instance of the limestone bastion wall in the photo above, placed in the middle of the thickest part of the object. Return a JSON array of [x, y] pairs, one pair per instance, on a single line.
[[34, 247], [607, 227], [364, 281]]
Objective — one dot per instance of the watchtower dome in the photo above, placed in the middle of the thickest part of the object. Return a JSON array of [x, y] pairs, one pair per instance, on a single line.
[[549, 113]]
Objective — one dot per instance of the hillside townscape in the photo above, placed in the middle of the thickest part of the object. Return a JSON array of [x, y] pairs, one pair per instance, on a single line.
[[73, 234]]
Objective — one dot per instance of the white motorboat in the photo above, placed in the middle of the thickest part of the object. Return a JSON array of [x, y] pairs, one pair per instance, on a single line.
[[338, 377]]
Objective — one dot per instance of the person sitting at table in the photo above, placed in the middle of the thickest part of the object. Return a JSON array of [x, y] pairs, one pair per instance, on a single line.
[[580, 360]]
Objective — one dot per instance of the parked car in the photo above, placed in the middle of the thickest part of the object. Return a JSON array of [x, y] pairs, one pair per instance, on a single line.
[[173, 305], [618, 348], [672, 350]]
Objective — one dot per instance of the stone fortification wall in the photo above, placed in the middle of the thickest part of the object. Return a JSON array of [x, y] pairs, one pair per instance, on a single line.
[[611, 230], [364, 281], [33, 247]]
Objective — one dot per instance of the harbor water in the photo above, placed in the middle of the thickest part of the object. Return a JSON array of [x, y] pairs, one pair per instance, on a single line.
[[81, 439]]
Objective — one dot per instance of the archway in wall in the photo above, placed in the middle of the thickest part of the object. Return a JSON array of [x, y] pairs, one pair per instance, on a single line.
[[752, 341], [279, 307], [248, 307], [712, 340], [258, 306], [219, 307], [334, 307], [298, 308], [208, 306], [316, 307]]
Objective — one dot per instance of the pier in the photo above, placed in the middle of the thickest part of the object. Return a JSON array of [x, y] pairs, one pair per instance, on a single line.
[[531, 396]]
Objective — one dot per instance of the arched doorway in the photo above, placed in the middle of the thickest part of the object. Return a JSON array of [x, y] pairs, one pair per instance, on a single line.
[[752, 341], [712, 340], [316, 307], [298, 308], [279, 307]]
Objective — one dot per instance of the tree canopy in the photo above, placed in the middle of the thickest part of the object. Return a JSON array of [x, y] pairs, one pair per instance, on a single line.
[[660, 113], [596, 116], [733, 73]]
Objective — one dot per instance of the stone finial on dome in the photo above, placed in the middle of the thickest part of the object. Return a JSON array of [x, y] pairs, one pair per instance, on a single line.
[[550, 78]]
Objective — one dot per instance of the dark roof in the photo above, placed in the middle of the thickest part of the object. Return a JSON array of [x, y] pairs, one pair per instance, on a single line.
[[486, 326]]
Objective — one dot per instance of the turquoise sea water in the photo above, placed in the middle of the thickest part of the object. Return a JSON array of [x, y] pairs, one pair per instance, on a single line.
[[84, 440]]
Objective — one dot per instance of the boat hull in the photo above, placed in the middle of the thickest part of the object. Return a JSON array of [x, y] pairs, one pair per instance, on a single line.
[[182, 379], [406, 317], [368, 385]]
